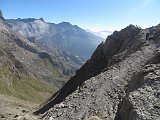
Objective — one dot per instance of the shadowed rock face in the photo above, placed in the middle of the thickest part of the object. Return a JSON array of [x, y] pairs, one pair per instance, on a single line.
[[102, 87]]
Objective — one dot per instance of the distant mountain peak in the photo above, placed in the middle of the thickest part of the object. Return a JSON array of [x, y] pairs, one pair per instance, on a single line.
[[65, 23], [132, 26], [41, 19]]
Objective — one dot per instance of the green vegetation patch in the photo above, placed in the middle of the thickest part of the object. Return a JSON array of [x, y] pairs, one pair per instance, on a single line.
[[27, 88], [31, 89]]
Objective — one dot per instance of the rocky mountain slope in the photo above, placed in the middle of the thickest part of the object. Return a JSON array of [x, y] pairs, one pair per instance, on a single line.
[[119, 82], [64, 36]]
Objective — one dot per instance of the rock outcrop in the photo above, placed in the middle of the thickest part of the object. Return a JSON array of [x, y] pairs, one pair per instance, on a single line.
[[142, 100], [120, 81]]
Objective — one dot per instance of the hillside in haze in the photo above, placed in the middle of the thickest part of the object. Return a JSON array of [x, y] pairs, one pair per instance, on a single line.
[[66, 37]]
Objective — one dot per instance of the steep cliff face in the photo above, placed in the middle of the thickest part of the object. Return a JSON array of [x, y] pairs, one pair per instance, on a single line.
[[100, 88]]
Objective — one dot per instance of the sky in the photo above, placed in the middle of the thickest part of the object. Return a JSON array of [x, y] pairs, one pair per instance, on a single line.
[[95, 15]]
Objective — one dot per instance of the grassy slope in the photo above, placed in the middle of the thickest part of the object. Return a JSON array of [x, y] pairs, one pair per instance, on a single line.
[[15, 80], [56, 71], [26, 87]]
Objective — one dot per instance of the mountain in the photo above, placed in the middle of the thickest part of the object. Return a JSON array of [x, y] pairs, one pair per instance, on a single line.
[[102, 34], [121, 81], [27, 69], [19, 72], [43, 35], [31, 69], [64, 36]]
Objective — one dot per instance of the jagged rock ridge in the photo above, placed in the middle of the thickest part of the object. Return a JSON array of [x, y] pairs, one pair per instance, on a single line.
[[120, 81]]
